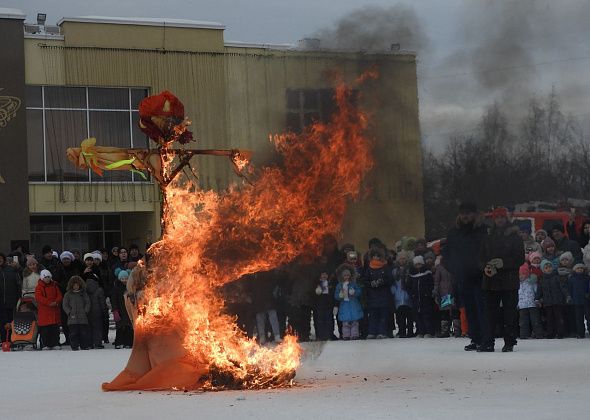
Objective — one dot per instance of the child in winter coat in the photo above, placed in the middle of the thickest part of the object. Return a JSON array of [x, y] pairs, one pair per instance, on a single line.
[[552, 294], [402, 300], [528, 311], [48, 299], [550, 252], [534, 261], [377, 280], [566, 262], [124, 337], [444, 297], [98, 311], [347, 293], [579, 288], [76, 305], [421, 285], [324, 308]]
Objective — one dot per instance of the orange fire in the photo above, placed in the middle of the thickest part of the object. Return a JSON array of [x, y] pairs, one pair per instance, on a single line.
[[214, 238]]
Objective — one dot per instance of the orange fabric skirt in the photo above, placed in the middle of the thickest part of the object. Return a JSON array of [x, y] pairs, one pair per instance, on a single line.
[[158, 363]]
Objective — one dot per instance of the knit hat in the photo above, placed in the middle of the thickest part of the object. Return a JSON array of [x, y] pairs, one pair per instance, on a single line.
[[429, 255], [543, 231], [88, 255], [123, 274], [418, 260], [499, 212], [66, 254], [45, 249], [97, 255], [55, 254], [524, 270], [547, 243], [534, 255], [579, 265], [45, 274], [545, 263], [566, 255]]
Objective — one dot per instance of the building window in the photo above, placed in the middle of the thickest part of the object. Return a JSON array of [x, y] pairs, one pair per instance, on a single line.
[[306, 106], [59, 117], [86, 232]]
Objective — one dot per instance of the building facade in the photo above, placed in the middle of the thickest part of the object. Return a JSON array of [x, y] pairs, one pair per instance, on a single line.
[[87, 77]]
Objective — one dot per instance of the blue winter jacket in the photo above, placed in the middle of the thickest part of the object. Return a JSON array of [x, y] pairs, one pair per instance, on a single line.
[[400, 295], [349, 310], [377, 283], [579, 287]]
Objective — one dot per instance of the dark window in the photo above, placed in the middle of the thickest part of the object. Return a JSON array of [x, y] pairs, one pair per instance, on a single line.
[[82, 222], [33, 96], [65, 97], [64, 129], [136, 96], [307, 106], [71, 114], [86, 232], [113, 126], [46, 223], [108, 98], [35, 147]]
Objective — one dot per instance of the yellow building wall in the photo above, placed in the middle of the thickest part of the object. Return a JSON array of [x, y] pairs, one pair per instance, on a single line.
[[109, 35], [238, 97]]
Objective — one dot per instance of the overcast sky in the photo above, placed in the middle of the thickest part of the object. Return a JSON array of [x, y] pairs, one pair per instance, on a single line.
[[470, 52]]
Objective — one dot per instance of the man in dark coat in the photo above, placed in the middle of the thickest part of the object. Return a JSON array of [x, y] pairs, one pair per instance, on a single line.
[[502, 254], [563, 244], [10, 290], [461, 256]]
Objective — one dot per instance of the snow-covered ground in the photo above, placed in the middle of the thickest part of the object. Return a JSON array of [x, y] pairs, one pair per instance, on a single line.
[[397, 378]]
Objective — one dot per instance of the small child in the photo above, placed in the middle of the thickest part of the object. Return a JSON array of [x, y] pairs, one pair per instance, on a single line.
[[76, 305], [579, 284], [402, 299], [528, 311], [124, 337], [552, 294], [323, 308], [48, 298], [535, 259], [444, 296], [347, 293], [421, 285]]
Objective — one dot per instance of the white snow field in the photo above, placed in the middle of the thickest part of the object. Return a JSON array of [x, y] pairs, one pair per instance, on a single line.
[[395, 378]]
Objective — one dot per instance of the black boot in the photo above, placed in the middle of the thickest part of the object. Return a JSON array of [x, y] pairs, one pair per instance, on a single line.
[[485, 348], [471, 347], [507, 348]]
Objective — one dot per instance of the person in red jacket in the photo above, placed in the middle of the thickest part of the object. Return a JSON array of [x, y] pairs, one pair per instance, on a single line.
[[48, 297]]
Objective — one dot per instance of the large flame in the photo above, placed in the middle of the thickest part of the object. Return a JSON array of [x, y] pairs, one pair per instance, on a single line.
[[214, 238]]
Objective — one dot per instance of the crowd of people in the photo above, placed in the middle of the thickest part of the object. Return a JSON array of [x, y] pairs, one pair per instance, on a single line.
[[485, 281], [72, 293]]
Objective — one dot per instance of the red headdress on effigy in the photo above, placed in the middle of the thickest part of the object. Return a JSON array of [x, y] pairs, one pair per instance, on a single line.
[[161, 118]]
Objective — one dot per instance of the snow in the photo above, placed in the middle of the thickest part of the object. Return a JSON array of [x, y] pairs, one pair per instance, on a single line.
[[395, 378]]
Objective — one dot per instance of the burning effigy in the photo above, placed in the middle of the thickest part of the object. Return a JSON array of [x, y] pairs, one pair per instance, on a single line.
[[184, 340]]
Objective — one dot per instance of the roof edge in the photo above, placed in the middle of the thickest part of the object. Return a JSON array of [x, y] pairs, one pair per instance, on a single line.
[[160, 22]]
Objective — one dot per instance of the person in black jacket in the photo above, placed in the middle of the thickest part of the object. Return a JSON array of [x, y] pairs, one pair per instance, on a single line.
[[461, 256], [420, 287], [563, 244], [502, 254], [377, 279], [324, 307], [124, 337], [10, 290]]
